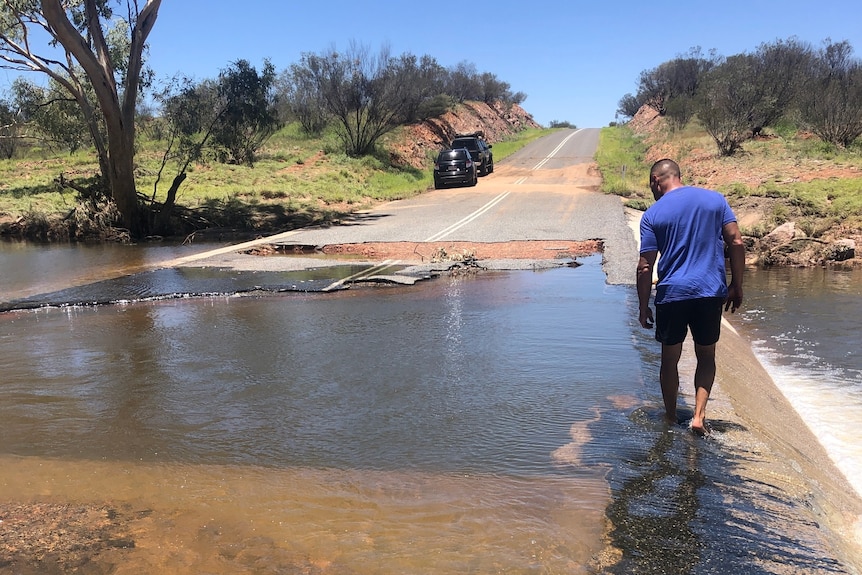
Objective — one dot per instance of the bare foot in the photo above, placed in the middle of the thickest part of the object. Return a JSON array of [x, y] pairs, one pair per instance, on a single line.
[[699, 427]]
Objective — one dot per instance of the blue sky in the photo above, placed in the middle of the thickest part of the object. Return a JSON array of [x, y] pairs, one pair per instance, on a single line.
[[573, 59]]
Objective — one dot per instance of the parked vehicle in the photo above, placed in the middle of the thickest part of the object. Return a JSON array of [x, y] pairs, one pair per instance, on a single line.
[[480, 151], [454, 166]]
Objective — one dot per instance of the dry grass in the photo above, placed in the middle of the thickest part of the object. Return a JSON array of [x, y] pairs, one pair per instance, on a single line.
[[783, 176]]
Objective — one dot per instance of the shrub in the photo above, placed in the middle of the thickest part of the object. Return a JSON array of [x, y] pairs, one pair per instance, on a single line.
[[779, 214], [435, 107], [734, 190], [640, 205]]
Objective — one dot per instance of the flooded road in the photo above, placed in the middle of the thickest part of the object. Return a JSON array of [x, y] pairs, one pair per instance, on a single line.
[[339, 380], [218, 417], [475, 423], [407, 428]]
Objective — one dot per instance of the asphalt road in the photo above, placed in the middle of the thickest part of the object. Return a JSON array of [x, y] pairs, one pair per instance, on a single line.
[[545, 191]]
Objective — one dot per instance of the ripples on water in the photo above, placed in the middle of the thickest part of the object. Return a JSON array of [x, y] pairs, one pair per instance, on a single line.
[[491, 423], [804, 324]]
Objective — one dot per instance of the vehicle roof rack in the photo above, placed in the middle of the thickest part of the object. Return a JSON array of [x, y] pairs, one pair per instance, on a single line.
[[476, 134]]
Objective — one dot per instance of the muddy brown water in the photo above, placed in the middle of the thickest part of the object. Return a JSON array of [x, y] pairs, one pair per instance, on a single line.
[[478, 423]]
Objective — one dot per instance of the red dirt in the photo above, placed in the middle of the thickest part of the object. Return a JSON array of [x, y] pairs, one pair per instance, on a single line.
[[422, 140], [453, 251], [704, 167]]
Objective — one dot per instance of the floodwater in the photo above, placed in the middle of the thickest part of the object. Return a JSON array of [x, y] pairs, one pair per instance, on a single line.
[[492, 423], [804, 327]]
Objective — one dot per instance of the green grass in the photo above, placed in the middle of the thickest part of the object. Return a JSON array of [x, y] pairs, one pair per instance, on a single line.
[[506, 148], [831, 200], [30, 186], [620, 157], [837, 200], [294, 174], [816, 205]]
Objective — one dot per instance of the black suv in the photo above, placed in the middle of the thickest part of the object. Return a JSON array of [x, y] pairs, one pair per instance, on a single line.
[[454, 166], [480, 150]]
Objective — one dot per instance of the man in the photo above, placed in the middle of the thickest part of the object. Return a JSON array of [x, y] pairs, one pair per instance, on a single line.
[[689, 227]]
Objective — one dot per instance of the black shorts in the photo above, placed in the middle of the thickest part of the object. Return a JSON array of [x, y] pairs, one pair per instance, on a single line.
[[703, 316]]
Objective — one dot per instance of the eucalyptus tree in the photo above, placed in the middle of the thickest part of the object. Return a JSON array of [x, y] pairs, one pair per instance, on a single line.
[[300, 99], [363, 93], [228, 119], [10, 129], [831, 107], [94, 50], [728, 97], [248, 115], [423, 77], [778, 72], [463, 82], [677, 78], [53, 117], [629, 105], [189, 114], [495, 90]]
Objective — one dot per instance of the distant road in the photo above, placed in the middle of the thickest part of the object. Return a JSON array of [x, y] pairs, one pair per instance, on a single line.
[[545, 191], [559, 150]]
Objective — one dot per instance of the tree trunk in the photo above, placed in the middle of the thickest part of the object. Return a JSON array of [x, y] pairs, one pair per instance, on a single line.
[[163, 221], [121, 179], [94, 58]]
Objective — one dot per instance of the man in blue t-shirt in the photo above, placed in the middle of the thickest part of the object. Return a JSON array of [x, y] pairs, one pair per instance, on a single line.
[[689, 227]]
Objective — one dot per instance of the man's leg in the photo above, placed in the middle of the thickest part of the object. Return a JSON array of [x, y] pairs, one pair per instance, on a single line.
[[669, 378], [704, 376]]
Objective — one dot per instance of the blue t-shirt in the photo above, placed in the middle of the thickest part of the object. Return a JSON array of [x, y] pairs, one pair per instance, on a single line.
[[685, 227]]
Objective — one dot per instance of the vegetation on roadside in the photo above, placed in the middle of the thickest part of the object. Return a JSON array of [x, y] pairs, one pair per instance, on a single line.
[[776, 129], [297, 180], [620, 158], [828, 190], [509, 146], [784, 176], [736, 98], [93, 57]]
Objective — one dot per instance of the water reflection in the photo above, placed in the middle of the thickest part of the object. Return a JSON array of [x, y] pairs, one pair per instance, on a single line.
[[491, 423], [386, 430], [31, 269]]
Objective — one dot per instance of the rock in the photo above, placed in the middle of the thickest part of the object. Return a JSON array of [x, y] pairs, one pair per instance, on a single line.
[[788, 246], [783, 234], [840, 250]]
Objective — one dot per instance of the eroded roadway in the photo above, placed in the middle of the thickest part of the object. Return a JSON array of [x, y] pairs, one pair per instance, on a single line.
[[546, 191]]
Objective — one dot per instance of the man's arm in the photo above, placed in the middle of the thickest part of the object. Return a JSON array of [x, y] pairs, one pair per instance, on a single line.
[[736, 252], [644, 284]]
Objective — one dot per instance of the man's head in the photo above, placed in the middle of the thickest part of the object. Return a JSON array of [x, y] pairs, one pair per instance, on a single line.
[[664, 177]]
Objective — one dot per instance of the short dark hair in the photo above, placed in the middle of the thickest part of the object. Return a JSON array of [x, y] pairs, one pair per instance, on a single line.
[[663, 168]]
